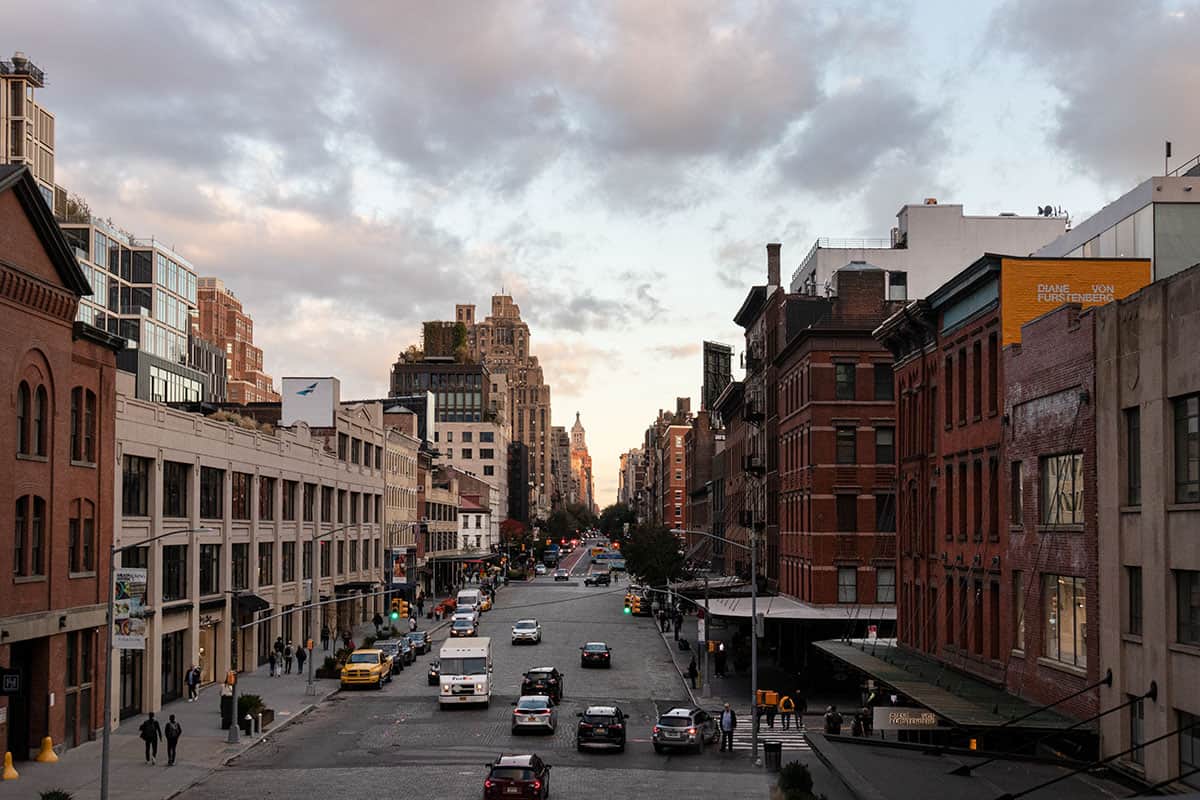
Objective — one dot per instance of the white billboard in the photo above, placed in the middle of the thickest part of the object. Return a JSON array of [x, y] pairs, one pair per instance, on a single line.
[[310, 400]]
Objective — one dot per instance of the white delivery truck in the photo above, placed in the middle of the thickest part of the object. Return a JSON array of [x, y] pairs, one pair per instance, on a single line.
[[465, 672], [468, 600]]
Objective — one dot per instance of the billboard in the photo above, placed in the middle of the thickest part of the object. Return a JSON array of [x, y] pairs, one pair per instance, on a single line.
[[129, 620], [309, 400], [1030, 287]]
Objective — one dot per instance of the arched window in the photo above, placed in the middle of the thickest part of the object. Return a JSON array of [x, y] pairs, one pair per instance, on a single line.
[[23, 417], [41, 420]]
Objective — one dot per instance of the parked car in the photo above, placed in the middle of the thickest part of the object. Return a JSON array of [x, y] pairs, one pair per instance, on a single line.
[[367, 668], [524, 777], [684, 727], [543, 680], [540, 569], [394, 649], [534, 712], [463, 626], [598, 579], [601, 726], [595, 654], [420, 642], [527, 630], [463, 613], [561, 574]]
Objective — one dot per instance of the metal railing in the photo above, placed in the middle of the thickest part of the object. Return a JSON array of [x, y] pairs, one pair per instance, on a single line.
[[1184, 167], [826, 243]]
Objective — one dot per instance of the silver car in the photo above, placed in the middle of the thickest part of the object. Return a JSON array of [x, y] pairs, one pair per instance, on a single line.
[[463, 627], [534, 712], [527, 630]]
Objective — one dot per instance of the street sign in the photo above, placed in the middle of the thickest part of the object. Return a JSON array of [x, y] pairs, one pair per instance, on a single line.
[[892, 718], [10, 681], [872, 631]]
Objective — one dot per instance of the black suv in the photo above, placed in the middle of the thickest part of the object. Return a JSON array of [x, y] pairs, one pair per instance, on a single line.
[[524, 777], [598, 579], [684, 727], [419, 640], [544, 680], [601, 726]]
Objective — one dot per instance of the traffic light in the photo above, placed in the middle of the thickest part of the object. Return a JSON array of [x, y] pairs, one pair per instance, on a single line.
[[404, 612], [628, 610], [395, 614]]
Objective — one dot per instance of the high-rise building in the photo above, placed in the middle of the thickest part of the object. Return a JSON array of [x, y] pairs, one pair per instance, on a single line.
[[26, 128], [462, 391], [222, 321], [502, 343], [581, 465], [718, 371]]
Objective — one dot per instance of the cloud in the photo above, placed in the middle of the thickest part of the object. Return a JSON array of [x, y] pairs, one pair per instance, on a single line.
[[676, 350], [1123, 75], [568, 362]]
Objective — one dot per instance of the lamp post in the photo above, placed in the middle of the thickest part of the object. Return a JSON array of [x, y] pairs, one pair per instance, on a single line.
[[753, 626], [314, 600], [106, 732]]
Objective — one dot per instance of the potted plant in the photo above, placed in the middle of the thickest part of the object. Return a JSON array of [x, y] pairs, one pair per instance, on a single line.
[[328, 669], [56, 794]]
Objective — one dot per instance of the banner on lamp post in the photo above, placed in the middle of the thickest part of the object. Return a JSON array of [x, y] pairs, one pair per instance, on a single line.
[[129, 610]]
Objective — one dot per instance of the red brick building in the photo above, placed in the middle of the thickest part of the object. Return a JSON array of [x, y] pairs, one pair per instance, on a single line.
[[56, 499], [673, 474], [836, 445], [223, 322], [736, 519]]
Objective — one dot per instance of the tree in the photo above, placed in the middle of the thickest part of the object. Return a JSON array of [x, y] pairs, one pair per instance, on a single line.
[[613, 519], [795, 783], [462, 351], [512, 530], [652, 553]]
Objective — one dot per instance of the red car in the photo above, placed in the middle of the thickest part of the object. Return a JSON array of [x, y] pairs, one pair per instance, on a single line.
[[522, 777], [595, 654]]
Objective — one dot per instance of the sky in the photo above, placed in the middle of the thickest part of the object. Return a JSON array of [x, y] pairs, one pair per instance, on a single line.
[[352, 169]]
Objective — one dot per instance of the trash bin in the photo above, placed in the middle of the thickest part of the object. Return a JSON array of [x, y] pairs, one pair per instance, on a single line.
[[773, 755]]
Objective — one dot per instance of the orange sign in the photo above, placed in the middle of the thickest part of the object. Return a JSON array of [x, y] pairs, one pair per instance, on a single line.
[[1031, 287]]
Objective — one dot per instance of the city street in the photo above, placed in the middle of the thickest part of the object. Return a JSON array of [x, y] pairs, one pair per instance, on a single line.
[[398, 739]]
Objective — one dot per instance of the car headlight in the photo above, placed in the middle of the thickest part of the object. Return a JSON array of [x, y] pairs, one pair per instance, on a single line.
[[479, 687]]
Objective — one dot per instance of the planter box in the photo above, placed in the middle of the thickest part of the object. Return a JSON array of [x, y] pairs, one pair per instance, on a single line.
[[268, 717], [327, 674]]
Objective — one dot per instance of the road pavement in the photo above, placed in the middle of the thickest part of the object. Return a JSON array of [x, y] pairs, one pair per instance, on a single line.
[[399, 740]]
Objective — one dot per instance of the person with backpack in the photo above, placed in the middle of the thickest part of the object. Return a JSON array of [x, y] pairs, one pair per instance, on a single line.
[[786, 708], [287, 658], [150, 732], [301, 656], [173, 731]]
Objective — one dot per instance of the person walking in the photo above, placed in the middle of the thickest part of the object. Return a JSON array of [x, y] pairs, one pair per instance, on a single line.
[[173, 731], [301, 657], [150, 732], [786, 707], [421, 603], [289, 652], [192, 680], [324, 637], [378, 620], [692, 672], [412, 623], [833, 722], [273, 662], [770, 709], [728, 726]]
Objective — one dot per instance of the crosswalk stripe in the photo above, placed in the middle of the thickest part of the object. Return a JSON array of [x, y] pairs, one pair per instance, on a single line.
[[794, 738]]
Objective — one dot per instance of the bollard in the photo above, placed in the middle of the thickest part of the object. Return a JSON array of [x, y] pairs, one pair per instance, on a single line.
[[47, 755], [10, 774]]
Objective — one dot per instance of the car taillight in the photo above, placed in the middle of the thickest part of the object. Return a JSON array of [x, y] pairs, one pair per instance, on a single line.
[[517, 712], [586, 725], [553, 680], [537, 786], [656, 730], [618, 726], [488, 784]]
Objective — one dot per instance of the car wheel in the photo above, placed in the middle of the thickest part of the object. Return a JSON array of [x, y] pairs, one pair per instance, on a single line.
[[379, 685]]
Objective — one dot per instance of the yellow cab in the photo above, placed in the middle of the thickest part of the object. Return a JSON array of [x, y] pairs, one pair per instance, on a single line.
[[485, 602], [367, 667]]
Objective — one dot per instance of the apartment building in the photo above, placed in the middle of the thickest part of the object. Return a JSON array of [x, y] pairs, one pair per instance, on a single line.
[[222, 321], [400, 491], [26, 127]]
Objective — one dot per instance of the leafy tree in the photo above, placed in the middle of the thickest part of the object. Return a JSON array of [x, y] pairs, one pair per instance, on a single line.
[[795, 783], [512, 530], [613, 519], [462, 351], [652, 553]]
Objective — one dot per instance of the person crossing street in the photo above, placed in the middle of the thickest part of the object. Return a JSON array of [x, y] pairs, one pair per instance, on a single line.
[[173, 731], [728, 726]]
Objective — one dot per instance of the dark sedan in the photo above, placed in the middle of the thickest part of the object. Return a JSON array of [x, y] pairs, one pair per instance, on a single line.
[[543, 680], [601, 726], [595, 654], [420, 641]]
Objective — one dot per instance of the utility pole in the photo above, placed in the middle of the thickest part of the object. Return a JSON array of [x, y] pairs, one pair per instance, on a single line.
[[704, 644]]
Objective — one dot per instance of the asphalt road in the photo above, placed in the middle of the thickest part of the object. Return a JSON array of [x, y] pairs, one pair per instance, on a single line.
[[398, 742]]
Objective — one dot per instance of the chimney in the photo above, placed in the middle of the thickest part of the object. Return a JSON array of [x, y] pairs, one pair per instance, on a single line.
[[773, 264]]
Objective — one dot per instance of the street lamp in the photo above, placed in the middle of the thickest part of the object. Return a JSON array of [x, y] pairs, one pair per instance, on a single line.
[[753, 626], [313, 600], [106, 732]]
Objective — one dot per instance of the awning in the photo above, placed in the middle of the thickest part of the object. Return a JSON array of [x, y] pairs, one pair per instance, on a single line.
[[784, 608], [715, 584], [961, 699], [251, 603], [355, 586]]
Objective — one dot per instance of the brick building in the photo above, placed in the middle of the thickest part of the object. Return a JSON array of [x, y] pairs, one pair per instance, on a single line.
[[222, 321], [735, 516], [56, 499], [837, 504], [699, 445]]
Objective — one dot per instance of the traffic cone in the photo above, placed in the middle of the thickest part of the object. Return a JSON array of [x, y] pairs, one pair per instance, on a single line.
[[47, 755], [10, 774]]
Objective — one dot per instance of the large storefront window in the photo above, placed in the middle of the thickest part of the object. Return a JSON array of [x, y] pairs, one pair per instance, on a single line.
[[131, 683], [172, 666], [1064, 619]]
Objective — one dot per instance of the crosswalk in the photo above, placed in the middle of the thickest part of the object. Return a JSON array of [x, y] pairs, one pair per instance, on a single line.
[[794, 738]]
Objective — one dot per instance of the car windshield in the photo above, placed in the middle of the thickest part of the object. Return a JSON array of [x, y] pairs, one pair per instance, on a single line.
[[533, 703], [364, 658], [674, 722], [512, 774], [595, 647], [464, 666], [463, 623], [537, 676], [600, 719], [525, 625]]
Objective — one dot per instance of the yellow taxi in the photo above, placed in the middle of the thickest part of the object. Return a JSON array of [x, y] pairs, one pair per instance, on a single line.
[[367, 667], [485, 602]]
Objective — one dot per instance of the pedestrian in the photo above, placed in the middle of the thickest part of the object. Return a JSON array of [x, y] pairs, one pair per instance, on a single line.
[[728, 726], [412, 623], [833, 722], [301, 657], [868, 721], [324, 637], [786, 707], [289, 653], [771, 709], [692, 672], [272, 661], [856, 725], [378, 620], [421, 603], [151, 732], [192, 680], [346, 640], [173, 731], [279, 649]]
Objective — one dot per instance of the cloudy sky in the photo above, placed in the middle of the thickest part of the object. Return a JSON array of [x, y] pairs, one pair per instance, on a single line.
[[351, 169]]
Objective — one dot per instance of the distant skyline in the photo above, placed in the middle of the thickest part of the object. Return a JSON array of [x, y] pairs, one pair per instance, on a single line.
[[353, 170]]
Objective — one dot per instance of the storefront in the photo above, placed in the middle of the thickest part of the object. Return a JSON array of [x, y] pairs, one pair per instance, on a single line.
[[173, 666], [132, 678], [207, 638]]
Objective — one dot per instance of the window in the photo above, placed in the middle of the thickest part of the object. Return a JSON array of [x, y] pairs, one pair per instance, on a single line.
[[289, 501], [949, 610], [487, 453], [885, 445], [885, 585], [1133, 588], [210, 569], [341, 505], [977, 497], [1187, 603], [846, 446], [467, 452], [243, 485], [174, 565], [466, 436], [1189, 748], [135, 486], [487, 436], [341, 558], [1187, 449], [81, 532], [41, 420], [240, 566], [949, 382], [76, 414], [949, 470], [353, 507], [266, 563], [1062, 489], [310, 502], [488, 470], [884, 385], [1016, 507], [306, 555], [355, 451], [449, 452], [1064, 619], [212, 493], [288, 565], [843, 378], [847, 513], [266, 498], [885, 513], [962, 502], [23, 408], [342, 441], [847, 584], [962, 386], [1137, 729], [993, 391], [175, 489], [977, 379], [353, 555], [325, 557], [326, 503], [1018, 582], [1133, 456]]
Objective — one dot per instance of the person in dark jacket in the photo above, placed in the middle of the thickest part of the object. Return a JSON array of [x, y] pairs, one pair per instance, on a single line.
[[173, 731], [301, 657], [728, 724], [324, 637], [150, 732], [378, 620], [833, 722], [692, 672], [192, 679]]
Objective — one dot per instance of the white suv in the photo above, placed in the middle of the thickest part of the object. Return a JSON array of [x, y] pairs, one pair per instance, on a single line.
[[527, 630]]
